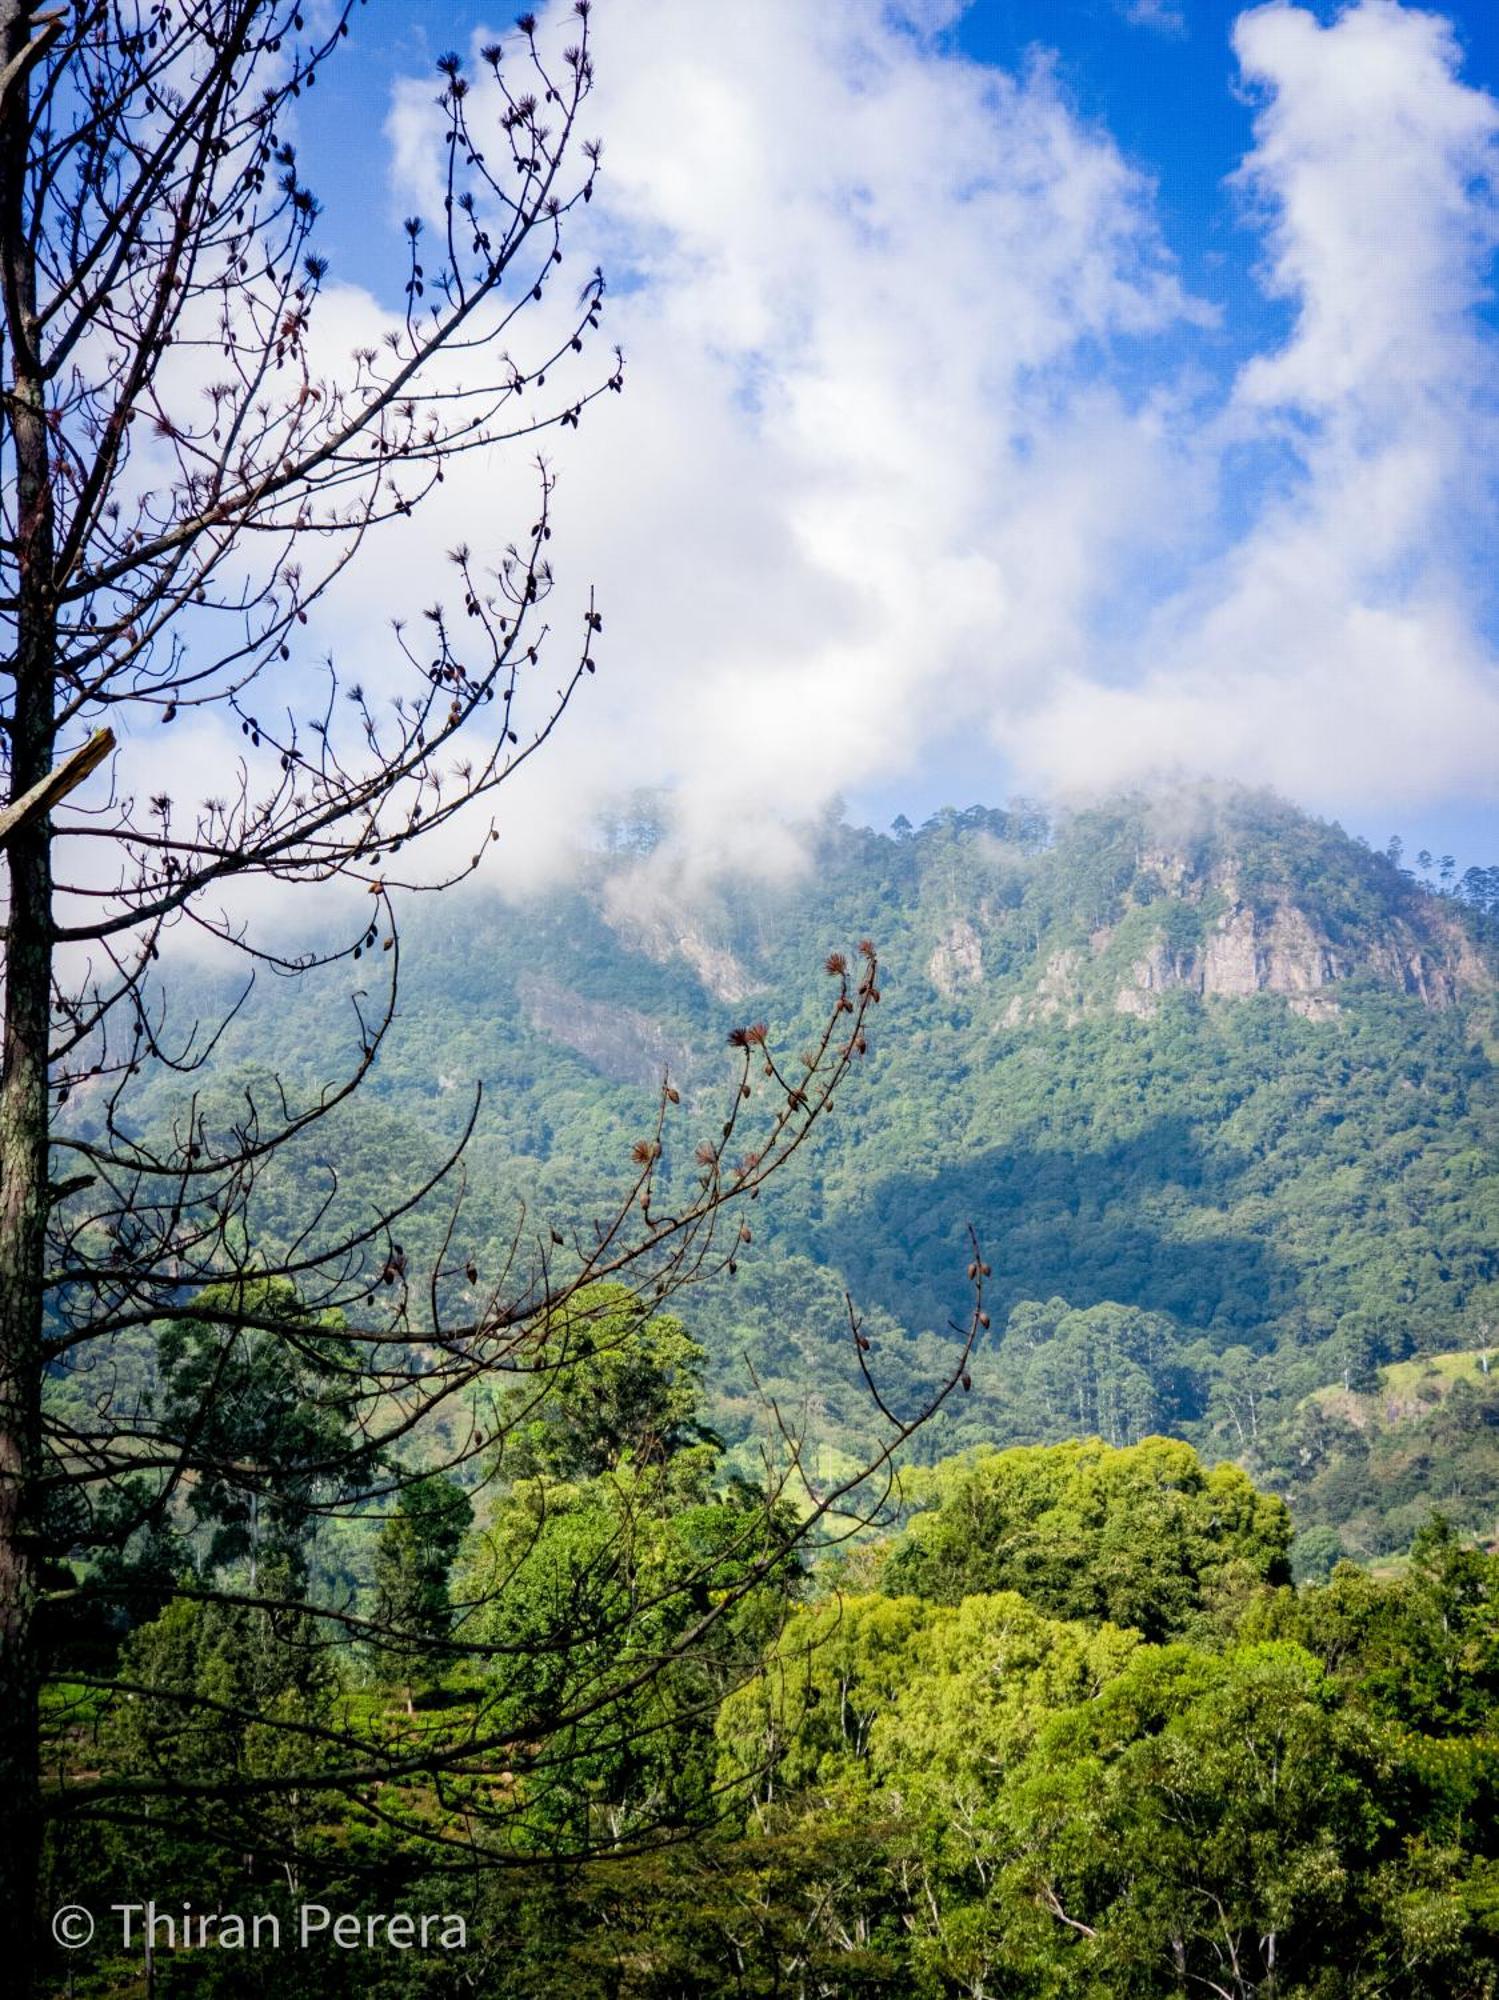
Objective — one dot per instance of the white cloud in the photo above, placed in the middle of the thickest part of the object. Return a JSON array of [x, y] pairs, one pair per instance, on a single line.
[[881, 474], [1334, 647], [868, 477], [1164, 15]]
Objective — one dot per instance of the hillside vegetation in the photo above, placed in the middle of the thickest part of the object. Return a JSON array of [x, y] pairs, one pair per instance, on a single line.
[[1071, 1731], [1214, 1083]]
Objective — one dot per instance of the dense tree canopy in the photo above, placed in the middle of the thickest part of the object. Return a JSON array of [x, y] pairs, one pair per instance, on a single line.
[[1069, 1731], [1198, 1216], [1145, 1536]]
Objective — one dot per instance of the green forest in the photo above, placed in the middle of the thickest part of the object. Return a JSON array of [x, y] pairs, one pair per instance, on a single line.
[[1164, 1656], [615, 1385], [1204, 1218], [1066, 1726]]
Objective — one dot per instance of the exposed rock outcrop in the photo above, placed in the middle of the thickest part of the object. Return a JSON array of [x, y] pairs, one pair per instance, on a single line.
[[653, 922], [1219, 940], [621, 1044], [1244, 952], [1057, 993], [958, 959], [716, 966]]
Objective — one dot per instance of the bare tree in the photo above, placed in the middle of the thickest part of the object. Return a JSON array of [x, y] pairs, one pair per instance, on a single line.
[[188, 471]]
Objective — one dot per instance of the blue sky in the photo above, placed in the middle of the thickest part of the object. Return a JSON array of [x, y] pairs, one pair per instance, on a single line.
[[1169, 94], [1160, 443]]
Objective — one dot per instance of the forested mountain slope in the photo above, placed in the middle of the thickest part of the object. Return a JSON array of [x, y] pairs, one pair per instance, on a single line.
[[1214, 1083]]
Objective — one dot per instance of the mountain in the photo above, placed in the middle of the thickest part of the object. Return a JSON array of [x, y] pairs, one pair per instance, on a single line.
[[1365, 1465], [1214, 1083]]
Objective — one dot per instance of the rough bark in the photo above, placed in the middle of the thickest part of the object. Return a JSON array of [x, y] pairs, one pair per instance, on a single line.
[[23, 1081]]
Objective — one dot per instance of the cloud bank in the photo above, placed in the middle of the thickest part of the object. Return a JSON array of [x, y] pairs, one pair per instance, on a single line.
[[923, 438], [1336, 647]]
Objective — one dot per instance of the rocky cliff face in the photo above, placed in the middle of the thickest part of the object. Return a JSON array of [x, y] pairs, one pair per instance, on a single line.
[[622, 1044], [663, 926], [957, 960], [1247, 944], [1238, 895]]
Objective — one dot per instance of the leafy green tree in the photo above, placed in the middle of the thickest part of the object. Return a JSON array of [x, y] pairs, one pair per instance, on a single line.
[[633, 1602], [623, 1383], [1202, 1825], [416, 1552], [1146, 1536], [803, 1723], [214, 1691], [641, 1580], [1316, 1554], [261, 1399], [1420, 1649]]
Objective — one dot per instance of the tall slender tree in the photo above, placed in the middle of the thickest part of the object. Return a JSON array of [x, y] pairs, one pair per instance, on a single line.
[[190, 466]]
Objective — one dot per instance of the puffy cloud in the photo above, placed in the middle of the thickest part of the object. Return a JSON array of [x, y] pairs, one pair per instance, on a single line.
[[1336, 646], [915, 443], [869, 476]]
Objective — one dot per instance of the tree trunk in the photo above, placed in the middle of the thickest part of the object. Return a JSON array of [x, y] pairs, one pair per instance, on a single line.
[[23, 1077]]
